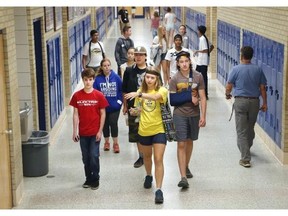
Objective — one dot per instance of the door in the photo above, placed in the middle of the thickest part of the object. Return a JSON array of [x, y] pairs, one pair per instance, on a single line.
[[5, 173], [39, 73]]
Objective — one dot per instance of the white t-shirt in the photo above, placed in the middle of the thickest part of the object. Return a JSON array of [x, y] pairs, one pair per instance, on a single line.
[[202, 58], [164, 45], [171, 56], [96, 54]]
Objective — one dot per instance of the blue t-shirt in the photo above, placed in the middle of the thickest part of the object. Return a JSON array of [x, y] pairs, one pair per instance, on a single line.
[[246, 80]]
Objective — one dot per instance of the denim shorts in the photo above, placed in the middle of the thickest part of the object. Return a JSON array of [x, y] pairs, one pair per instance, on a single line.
[[186, 127], [150, 140]]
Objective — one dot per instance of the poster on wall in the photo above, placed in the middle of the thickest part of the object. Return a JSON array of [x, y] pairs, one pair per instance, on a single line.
[[57, 18], [49, 18]]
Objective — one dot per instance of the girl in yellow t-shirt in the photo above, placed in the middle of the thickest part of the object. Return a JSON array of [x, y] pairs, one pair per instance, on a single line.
[[151, 131]]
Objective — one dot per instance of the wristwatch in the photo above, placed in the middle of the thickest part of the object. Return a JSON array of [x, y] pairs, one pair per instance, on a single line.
[[140, 94]]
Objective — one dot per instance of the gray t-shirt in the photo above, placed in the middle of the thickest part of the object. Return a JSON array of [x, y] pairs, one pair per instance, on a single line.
[[179, 83]]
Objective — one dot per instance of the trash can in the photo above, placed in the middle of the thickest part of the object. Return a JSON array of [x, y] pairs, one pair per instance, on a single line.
[[35, 154]]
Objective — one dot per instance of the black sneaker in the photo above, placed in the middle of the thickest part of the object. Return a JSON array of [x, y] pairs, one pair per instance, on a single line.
[[94, 185], [139, 162], [148, 182], [183, 183], [159, 197], [188, 173], [86, 184]]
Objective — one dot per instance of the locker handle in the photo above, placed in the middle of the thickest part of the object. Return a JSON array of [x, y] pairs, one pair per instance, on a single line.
[[277, 95], [271, 90]]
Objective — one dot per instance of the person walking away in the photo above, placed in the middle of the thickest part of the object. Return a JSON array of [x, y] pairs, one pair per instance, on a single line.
[[160, 43], [88, 121], [123, 17], [130, 61], [132, 80], [169, 21], [248, 82], [93, 52], [123, 44], [151, 132], [110, 84], [185, 38], [187, 117], [203, 59], [133, 11], [172, 54], [155, 22]]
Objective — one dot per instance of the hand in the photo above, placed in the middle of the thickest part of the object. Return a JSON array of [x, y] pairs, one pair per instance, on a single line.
[[264, 108], [134, 111], [228, 96], [202, 122], [75, 138], [98, 136], [195, 100], [130, 95]]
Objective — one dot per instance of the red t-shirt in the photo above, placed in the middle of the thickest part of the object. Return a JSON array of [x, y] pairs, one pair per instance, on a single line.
[[88, 105]]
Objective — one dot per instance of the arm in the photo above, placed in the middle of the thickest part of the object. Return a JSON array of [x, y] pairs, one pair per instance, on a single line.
[[102, 121], [203, 105], [211, 47], [229, 87], [264, 97], [75, 124], [155, 97], [117, 52], [84, 61]]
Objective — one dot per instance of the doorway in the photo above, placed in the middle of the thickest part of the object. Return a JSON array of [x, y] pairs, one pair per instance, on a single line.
[[5, 171]]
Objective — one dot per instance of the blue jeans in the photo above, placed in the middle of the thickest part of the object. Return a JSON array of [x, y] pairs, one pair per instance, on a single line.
[[90, 157]]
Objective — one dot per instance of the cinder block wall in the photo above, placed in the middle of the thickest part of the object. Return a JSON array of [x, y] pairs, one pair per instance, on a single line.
[[270, 22], [10, 66]]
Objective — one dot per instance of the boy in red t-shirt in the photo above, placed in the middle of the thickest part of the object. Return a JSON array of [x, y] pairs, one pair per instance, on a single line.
[[88, 121]]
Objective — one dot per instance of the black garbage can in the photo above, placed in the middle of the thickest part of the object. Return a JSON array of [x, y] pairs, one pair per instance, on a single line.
[[35, 154]]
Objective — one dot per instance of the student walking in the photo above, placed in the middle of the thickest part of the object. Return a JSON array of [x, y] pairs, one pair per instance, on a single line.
[[203, 59], [110, 84], [187, 115], [123, 44], [88, 121], [160, 45], [130, 61], [185, 38], [171, 56], [151, 131], [132, 80], [169, 21], [93, 52], [248, 82]]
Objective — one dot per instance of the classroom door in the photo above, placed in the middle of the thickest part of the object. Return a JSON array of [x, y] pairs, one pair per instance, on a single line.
[[5, 172]]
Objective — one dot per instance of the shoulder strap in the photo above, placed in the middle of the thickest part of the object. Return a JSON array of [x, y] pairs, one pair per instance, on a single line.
[[190, 80], [207, 45], [103, 55]]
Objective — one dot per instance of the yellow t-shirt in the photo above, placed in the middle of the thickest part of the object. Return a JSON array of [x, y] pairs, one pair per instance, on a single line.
[[150, 118]]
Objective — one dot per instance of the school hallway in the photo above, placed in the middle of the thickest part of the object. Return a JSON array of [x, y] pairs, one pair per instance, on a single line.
[[219, 181]]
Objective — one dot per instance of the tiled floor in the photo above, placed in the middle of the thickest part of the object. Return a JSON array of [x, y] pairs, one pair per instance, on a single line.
[[218, 183]]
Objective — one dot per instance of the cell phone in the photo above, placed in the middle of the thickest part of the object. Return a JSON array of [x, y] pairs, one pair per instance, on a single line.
[[76, 139]]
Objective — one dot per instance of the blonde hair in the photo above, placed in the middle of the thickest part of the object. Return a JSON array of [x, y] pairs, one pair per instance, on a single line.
[[160, 34]]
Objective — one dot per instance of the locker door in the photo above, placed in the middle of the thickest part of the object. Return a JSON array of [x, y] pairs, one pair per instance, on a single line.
[[52, 83], [59, 93]]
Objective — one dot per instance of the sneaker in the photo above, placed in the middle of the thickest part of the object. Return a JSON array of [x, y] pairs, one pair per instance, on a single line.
[[245, 163], [106, 146], [188, 173], [116, 148], [159, 197], [94, 185], [139, 162], [86, 184], [183, 183], [148, 182]]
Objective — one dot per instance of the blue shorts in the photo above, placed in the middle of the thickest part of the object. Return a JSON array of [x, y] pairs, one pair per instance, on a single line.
[[186, 127], [150, 140]]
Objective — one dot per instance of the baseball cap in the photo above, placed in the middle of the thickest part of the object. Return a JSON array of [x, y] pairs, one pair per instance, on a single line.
[[141, 50]]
